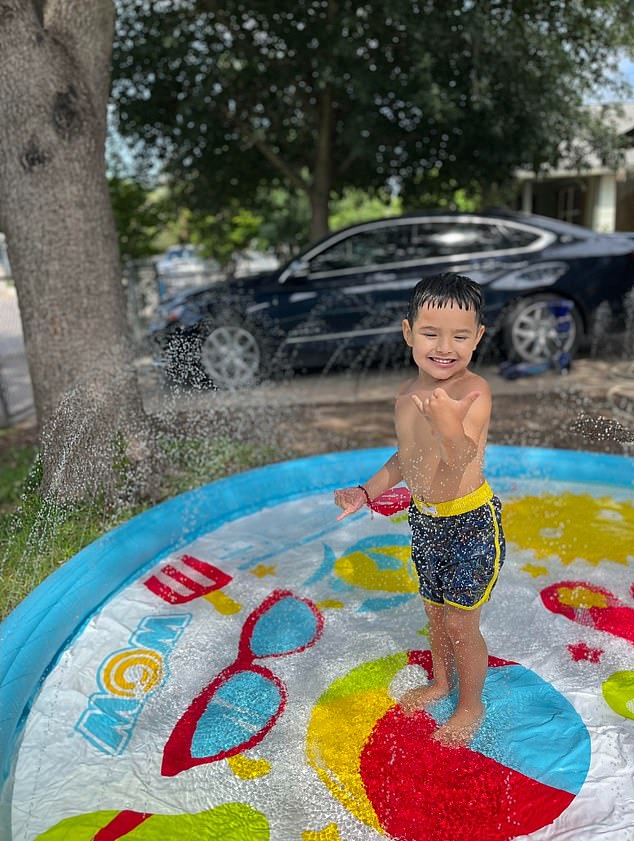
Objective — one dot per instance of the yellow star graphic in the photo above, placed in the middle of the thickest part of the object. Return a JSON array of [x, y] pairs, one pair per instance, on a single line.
[[328, 833], [534, 570], [261, 570], [332, 603]]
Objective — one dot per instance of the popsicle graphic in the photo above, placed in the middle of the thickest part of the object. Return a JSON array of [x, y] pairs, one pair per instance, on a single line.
[[161, 584], [590, 605]]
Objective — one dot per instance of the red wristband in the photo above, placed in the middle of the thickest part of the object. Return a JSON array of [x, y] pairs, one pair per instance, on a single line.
[[367, 496]]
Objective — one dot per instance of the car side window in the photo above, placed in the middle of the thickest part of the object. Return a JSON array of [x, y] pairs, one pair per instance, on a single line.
[[517, 237], [446, 239], [375, 247]]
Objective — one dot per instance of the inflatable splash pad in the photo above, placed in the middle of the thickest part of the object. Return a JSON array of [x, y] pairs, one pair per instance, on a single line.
[[228, 666]]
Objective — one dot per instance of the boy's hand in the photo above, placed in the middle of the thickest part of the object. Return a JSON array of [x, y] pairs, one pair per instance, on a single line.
[[350, 499], [442, 410]]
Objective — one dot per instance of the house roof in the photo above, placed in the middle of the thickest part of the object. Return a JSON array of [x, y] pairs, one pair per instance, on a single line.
[[620, 115]]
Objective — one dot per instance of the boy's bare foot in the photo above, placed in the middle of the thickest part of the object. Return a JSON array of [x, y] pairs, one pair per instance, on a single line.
[[421, 696], [461, 727]]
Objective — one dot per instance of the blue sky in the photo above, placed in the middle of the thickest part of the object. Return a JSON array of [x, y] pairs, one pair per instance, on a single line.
[[626, 72], [627, 69]]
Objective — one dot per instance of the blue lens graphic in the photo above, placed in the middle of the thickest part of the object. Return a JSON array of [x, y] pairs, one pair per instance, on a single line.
[[241, 708], [286, 626]]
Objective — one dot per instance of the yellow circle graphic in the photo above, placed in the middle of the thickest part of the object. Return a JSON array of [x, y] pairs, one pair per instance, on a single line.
[[572, 526], [618, 691], [132, 673]]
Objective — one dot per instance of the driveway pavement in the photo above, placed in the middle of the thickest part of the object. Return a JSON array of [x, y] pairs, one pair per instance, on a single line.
[[16, 395]]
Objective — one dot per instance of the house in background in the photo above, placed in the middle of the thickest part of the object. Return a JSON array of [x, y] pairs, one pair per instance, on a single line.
[[597, 196]]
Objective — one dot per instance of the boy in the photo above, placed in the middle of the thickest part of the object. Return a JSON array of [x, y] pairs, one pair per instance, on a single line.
[[442, 417]]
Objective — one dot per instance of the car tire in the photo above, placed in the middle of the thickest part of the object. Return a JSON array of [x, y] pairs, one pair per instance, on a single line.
[[234, 354], [529, 330]]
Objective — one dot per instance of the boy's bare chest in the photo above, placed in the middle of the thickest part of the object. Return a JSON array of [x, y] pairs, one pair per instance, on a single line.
[[414, 432]]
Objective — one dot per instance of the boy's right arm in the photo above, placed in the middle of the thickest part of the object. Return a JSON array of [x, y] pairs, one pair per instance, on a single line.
[[352, 499], [385, 478]]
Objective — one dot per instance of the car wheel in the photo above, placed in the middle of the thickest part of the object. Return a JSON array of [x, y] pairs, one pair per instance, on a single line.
[[530, 330], [233, 355]]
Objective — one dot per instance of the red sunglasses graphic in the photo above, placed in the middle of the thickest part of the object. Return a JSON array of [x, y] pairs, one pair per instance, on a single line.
[[243, 702]]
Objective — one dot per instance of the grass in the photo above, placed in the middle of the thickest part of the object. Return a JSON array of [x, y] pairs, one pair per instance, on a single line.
[[37, 535], [15, 465]]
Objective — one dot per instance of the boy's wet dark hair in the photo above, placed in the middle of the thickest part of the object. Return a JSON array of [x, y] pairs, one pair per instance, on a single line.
[[439, 290]]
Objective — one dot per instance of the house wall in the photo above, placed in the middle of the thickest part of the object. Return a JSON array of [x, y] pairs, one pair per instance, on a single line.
[[602, 202]]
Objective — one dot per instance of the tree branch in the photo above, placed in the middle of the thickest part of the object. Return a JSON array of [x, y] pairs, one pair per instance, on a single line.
[[269, 153], [344, 166], [272, 157]]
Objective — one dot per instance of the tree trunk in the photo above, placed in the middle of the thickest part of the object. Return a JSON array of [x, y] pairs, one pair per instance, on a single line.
[[322, 178], [55, 211]]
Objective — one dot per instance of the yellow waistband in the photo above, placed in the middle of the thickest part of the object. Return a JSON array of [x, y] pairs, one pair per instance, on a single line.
[[455, 506]]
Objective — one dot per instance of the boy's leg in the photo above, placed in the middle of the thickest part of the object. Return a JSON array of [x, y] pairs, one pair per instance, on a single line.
[[442, 658], [471, 658]]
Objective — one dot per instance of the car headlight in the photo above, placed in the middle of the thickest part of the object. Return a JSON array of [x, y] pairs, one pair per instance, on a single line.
[[531, 277]]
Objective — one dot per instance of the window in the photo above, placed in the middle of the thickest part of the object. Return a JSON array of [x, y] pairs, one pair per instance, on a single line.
[[517, 237], [569, 203], [418, 241], [367, 248], [446, 239]]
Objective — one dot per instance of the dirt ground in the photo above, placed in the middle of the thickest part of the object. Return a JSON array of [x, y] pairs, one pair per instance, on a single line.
[[590, 409], [561, 421]]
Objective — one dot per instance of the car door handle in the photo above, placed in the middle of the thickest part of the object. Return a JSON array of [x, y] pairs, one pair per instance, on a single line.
[[481, 265], [382, 276]]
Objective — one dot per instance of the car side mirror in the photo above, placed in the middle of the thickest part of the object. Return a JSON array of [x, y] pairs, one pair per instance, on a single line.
[[298, 268]]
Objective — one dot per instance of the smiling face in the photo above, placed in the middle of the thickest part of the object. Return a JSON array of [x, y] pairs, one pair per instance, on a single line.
[[442, 340]]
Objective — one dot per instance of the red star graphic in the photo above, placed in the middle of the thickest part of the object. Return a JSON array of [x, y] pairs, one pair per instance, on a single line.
[[581, 651]]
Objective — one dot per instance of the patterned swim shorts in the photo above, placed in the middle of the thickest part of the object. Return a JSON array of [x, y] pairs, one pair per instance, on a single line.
[[458, 548]]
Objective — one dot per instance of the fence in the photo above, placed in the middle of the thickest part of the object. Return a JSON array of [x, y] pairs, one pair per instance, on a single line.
[[144, 291]]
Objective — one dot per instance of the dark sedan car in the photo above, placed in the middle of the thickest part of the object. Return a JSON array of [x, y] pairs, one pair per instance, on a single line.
[[347, 295]]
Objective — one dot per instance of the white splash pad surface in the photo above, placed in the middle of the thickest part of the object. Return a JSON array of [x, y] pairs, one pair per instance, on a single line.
[[244, 683]]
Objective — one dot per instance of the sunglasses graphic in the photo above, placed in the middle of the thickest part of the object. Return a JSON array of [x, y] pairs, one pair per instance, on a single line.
[[239, 707]]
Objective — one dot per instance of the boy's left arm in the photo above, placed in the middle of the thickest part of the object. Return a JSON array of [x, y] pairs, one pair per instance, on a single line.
[[458, 424]]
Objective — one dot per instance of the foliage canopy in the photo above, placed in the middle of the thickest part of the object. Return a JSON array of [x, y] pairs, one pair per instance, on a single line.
[[331, 94]]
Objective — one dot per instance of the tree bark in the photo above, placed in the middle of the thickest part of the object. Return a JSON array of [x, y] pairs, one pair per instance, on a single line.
[[55, 211], [322, 177]]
